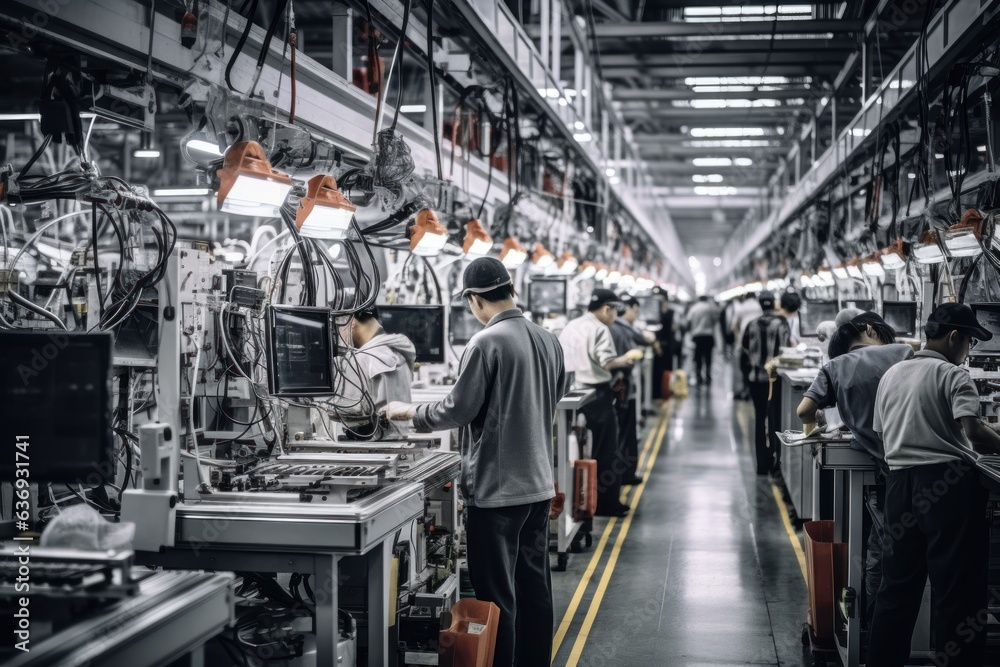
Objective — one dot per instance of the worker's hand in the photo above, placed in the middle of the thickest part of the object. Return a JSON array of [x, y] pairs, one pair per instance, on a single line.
[[649, 336], [399, 411], [809, 428], [634, 354]]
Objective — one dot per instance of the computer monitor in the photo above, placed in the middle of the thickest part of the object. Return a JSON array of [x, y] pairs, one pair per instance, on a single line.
[[901, 316], [988, 315], [812, 313], [547, 296], [649, 309], [423, 325], [55, 406], [462, 324], [300, 351]]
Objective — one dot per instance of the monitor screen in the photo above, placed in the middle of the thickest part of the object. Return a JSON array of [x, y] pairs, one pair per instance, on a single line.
[[300, 351], [55, 405], [901, 316], [462, 324], [649, 309], [988, 315], [812, 313], [423, 325], [547, 296]]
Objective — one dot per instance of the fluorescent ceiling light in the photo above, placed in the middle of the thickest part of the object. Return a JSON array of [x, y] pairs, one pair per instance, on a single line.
[[859, 132], [717, 261], [614, 180], [714, 190], [743, 162], [730, 143], [146, 153], [579, 125], [204, 147], [413, 108], [610, 171], [35, 116], [712, 162], [182, 192], [582, 137], [726, 131], [707, 178], [739, 80], [711, 103], [551, 93]]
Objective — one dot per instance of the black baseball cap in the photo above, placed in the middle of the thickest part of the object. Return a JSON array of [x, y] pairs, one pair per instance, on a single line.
[[602, 297], [956, 316], [484, 274], [766, 299], [629, 301]]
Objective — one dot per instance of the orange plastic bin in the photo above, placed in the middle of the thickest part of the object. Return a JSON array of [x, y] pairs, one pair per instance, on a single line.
[[471, 639], [826, 563]]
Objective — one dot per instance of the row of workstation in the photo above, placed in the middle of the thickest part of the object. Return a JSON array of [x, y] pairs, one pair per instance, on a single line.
[[825, 479]]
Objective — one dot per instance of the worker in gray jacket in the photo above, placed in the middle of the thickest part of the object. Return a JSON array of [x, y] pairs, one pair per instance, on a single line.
[[504, 401]]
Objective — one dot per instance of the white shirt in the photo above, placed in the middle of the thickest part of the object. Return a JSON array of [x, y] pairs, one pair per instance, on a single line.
[[587, 346], [744, 313]]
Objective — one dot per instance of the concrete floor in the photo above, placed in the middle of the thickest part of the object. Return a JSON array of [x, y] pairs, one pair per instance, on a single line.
[[705, 572]]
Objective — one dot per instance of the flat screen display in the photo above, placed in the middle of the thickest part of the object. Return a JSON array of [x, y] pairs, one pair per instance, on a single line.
[[862, 304], [901, 316], [812, 313], [55, 402], [462, 324], [547, 296], [988, 315], [649, 309], [423, 325], [300, 351]]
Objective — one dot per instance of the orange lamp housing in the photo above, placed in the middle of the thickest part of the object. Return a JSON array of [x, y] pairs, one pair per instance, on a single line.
[[928, 250], [567, 262], [541, 257], [247, 183], [854, 268], [427, 235], [962, 239], [513, 253], [477, 241], [873, 266], [588, 270], [893, 256], [324, 213]]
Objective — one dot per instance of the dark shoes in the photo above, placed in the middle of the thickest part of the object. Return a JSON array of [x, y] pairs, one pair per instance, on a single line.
[[620, 510], [632, 481]]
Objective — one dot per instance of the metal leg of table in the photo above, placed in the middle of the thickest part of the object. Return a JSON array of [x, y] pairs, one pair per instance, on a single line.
[[817, 488], [855, 566], [563, 419], [327, 635], [378, 604]]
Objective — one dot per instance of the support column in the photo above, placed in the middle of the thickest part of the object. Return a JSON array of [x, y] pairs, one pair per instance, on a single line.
[[342, 50]]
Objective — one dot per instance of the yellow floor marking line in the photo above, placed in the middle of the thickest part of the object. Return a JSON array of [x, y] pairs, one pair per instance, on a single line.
[[581, 588], [595, 604], [792, 537]]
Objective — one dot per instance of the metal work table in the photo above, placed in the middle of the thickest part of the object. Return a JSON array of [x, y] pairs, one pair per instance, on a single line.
[[796, 462], [567, 527], [247, 533], [172, 616]]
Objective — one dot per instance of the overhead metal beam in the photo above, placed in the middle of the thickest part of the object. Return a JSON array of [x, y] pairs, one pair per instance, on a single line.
[[694, 69], [660, 29], [724, 45], [769, 114], [625, 94], [745, 58]]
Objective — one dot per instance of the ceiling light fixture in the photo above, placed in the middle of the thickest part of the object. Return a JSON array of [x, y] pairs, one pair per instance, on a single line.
[[247, 183], [324, 213], [541, 257], [477, 241], [928, 251], [567, 263], [513, 254], [427, 235]]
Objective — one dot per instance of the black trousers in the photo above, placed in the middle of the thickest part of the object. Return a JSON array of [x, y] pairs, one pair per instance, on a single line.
[[508, 552], [602, 420], [628, 435], [935, 525], [875, 531], [703, 347], [761, 428]]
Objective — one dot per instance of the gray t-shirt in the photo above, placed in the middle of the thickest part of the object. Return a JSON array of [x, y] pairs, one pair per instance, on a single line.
[[850, 382], [917, 409]]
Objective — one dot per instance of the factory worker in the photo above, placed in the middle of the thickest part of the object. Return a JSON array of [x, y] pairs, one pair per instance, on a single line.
[[504, 402], [861, 351], [927, 412], [627, 337], [702, 320], [590, 354]]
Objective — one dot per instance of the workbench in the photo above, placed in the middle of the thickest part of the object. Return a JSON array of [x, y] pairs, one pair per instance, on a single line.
[[796, 462], [170, 617], [566, 527]]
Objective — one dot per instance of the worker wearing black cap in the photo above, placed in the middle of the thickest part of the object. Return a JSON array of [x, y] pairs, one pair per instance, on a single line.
[[504, 402], [590, 353], [762, 341], [626, 338], [927, 413]]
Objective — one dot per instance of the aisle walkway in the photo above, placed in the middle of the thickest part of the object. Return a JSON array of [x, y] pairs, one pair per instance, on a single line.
[[703, 572]]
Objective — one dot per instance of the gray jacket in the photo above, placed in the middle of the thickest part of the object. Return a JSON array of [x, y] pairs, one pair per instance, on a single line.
[[511, 378], [383, 369]]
